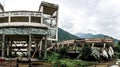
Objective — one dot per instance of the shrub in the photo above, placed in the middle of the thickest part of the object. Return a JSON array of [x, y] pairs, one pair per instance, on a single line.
[[63, 52], [86, 52], [15, 54], [117, 51], [73, 63], [58, 63], [52, 57]]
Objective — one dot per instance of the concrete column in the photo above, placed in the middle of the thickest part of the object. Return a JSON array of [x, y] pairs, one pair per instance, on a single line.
[[45, 50], [51, 21], [40, 48], [9, 18], [68, 44], [29, 19], [42, 15], [93, 44], [8, 48], [74, 45], [3, 44], [104, 45], [29, 47], [57, 24]]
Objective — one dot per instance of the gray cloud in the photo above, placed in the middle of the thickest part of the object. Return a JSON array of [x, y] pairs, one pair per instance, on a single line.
[[93, 16]]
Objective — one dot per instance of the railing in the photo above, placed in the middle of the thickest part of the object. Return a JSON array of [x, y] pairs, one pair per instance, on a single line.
[[20, 13], [27, 63], [8, 63]]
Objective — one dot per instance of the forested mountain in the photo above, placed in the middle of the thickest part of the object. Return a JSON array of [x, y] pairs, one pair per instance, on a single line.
[[64, 35]]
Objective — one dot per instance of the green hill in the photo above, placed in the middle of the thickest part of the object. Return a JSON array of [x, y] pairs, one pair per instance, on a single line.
[[63, 35]]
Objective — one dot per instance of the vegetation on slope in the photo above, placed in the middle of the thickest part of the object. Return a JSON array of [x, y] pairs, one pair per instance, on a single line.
[[117, 49], [63, 35]]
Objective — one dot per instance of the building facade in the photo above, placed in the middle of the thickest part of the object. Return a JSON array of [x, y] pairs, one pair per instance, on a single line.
[[27, 32]]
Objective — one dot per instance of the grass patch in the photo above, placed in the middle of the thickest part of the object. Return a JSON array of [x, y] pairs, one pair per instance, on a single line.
[[74, 63], [54, 59]]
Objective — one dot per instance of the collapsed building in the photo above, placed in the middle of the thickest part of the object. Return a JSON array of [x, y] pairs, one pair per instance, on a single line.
[[27, 32], [93, 42], [100, 46]]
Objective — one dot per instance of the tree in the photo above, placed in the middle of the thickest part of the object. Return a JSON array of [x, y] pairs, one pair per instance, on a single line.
[[117, 49], [118, 43], [86, 52], [63, 52]]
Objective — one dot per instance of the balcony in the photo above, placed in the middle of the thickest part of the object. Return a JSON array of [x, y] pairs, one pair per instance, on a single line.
[[21, 20], [20, 13], [20, 16]]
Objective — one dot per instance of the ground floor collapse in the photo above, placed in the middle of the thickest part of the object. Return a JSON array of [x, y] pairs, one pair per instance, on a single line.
[[100, 46]]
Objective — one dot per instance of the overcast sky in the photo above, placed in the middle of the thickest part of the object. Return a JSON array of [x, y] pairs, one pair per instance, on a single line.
[[79, 16]]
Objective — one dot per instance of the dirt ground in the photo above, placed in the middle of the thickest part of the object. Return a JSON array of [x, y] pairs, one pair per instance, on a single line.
[[39, 64], [14, 64], [104, 64]]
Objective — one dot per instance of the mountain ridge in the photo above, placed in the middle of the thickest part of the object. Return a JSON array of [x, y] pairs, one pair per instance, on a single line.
[[64, 35], [90, 35]]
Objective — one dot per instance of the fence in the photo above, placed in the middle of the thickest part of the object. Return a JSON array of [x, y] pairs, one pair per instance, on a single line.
[[8, 63], [27, 63]]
